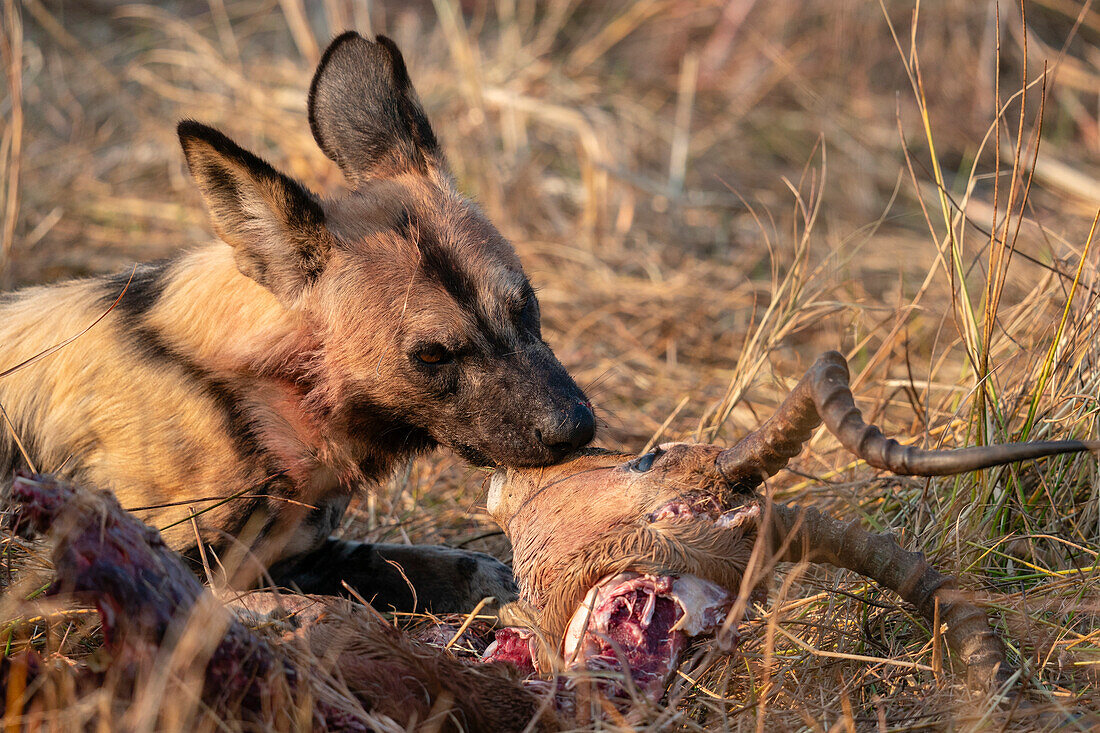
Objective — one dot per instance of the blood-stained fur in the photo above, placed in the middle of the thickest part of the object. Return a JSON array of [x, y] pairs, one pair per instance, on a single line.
[[330, 340]]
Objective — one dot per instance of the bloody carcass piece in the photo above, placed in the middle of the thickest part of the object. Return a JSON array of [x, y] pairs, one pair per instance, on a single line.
[[145, 594], [585, 531], [347, 665], [411, 682]]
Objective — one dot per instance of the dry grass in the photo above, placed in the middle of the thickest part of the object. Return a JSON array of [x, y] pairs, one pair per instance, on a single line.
[[707, 194]]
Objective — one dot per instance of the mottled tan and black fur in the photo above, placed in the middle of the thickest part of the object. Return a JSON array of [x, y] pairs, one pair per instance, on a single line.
[[332, 339]]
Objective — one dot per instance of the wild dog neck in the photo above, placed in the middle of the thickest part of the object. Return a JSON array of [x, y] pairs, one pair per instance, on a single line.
[[202, 306], [204, 311]]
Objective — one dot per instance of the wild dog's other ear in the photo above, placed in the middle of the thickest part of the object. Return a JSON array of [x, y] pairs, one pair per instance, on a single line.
[[364, 112], [274, 224]]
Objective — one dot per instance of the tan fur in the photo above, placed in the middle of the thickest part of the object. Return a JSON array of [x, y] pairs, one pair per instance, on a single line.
[[132, 427]]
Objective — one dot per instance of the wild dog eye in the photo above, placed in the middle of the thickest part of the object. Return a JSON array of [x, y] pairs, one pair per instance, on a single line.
[[643, 463], [434, 354]]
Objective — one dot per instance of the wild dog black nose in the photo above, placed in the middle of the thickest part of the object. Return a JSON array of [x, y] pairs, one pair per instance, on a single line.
[[566, 432]]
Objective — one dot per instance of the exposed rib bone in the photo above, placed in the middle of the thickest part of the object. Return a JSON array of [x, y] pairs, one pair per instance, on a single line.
[[823, 395]]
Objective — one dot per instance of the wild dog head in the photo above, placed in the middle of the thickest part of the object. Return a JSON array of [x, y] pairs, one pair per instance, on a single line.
[[427, 330]]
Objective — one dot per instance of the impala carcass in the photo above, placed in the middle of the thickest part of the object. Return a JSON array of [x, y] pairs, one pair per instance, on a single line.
[[621, 558]]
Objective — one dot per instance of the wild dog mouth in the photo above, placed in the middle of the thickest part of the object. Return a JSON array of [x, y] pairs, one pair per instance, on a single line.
[[473, 456], [538, 456]]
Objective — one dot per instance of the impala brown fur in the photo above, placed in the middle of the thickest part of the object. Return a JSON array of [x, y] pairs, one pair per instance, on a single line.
[[318, 345]]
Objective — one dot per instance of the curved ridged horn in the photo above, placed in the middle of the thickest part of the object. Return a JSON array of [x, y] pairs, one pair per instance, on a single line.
[[763, 452], [810, 536], [823, 395]]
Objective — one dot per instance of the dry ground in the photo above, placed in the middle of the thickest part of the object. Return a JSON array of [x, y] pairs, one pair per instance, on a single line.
[[707, 194]]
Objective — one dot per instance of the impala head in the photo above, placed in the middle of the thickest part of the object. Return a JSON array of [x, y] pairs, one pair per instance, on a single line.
[[605, 534], [667, 511]]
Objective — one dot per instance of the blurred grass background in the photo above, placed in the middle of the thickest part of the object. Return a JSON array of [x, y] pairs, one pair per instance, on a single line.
[[706, 194]]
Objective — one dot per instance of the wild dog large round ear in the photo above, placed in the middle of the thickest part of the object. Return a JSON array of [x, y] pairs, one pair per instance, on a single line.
[[275, 225], [365, 114]]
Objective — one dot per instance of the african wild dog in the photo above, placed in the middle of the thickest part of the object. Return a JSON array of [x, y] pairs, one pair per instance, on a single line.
[[331, 340]]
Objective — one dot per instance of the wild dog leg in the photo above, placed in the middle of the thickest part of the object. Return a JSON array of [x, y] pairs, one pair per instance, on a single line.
[[823, 395], [808, 535], [444, 579]]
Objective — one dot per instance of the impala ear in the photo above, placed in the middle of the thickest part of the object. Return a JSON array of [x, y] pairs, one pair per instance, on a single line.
[[364, 112], [274, 224]]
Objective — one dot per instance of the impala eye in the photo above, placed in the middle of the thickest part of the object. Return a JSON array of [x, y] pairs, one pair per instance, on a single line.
[[643, 463], [434, 354]]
